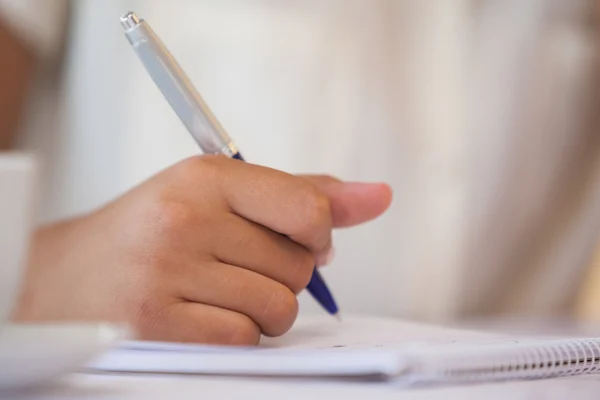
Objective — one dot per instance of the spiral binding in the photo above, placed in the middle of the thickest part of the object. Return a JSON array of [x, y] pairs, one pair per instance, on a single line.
[[539, 360]]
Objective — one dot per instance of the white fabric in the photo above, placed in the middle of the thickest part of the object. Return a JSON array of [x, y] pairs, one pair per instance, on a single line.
[[40, 23], [471, 110]]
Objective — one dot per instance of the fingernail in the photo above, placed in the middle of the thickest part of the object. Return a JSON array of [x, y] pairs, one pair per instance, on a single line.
[[328, 258], [362, 187]]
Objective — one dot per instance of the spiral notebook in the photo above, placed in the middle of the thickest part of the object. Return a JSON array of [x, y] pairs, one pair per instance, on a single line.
[[368, 348]]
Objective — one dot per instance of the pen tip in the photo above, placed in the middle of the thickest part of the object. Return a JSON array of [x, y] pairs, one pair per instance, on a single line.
[[338, 317]]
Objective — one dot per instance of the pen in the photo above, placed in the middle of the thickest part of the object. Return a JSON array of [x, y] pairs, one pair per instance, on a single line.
[[195, 114]]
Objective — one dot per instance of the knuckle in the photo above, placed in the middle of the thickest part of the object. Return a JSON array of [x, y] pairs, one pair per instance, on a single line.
[[244, 332], [209, 161], [172, 216], [171, 232], [147, 318], [317, 210], [280, 312], [302, 268], [315, 220], [204, 167]]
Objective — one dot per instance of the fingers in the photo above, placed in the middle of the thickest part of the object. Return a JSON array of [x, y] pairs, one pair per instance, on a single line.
[[263, 251], [281, 202], [271, 305], [241, 240], [353, 203], [198, 323]]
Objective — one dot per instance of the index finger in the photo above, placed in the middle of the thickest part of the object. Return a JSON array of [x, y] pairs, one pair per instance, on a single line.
[[284, 203]]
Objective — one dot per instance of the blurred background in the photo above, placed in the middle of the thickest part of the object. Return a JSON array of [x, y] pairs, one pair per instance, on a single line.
[[481, 114]]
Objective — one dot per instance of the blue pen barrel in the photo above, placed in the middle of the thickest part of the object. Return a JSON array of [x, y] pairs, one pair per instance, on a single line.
[[318, 289]]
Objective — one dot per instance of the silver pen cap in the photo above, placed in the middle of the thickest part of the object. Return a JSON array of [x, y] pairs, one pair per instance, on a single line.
[[177, 88]]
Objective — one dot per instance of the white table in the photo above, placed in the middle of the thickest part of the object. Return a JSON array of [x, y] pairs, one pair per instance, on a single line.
[[184, 388]]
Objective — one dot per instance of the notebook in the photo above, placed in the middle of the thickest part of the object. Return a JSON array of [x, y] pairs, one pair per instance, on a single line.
[[362, 347]]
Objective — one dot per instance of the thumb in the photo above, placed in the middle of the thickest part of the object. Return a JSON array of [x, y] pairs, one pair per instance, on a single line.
[[353, 203]]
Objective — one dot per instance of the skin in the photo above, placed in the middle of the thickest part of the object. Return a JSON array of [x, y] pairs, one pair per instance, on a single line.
[[211, 250]]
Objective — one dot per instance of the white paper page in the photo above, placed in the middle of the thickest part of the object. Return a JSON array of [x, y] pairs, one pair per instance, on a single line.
[[182, 347], [281, 363], [358, 332]]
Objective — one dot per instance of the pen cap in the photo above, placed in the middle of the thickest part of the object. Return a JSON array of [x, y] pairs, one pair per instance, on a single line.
[[176, 87]]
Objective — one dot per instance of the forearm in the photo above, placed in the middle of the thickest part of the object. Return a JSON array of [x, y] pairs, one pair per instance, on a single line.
[[17, 65]]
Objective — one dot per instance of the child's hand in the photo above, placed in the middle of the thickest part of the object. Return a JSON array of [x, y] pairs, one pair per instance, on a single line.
[[211, 250]]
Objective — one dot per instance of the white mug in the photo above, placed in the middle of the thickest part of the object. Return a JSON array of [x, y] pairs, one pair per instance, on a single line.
[[17, 179]]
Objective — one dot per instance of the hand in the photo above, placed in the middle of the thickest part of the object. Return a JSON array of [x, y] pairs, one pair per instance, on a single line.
[[211, 250]]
